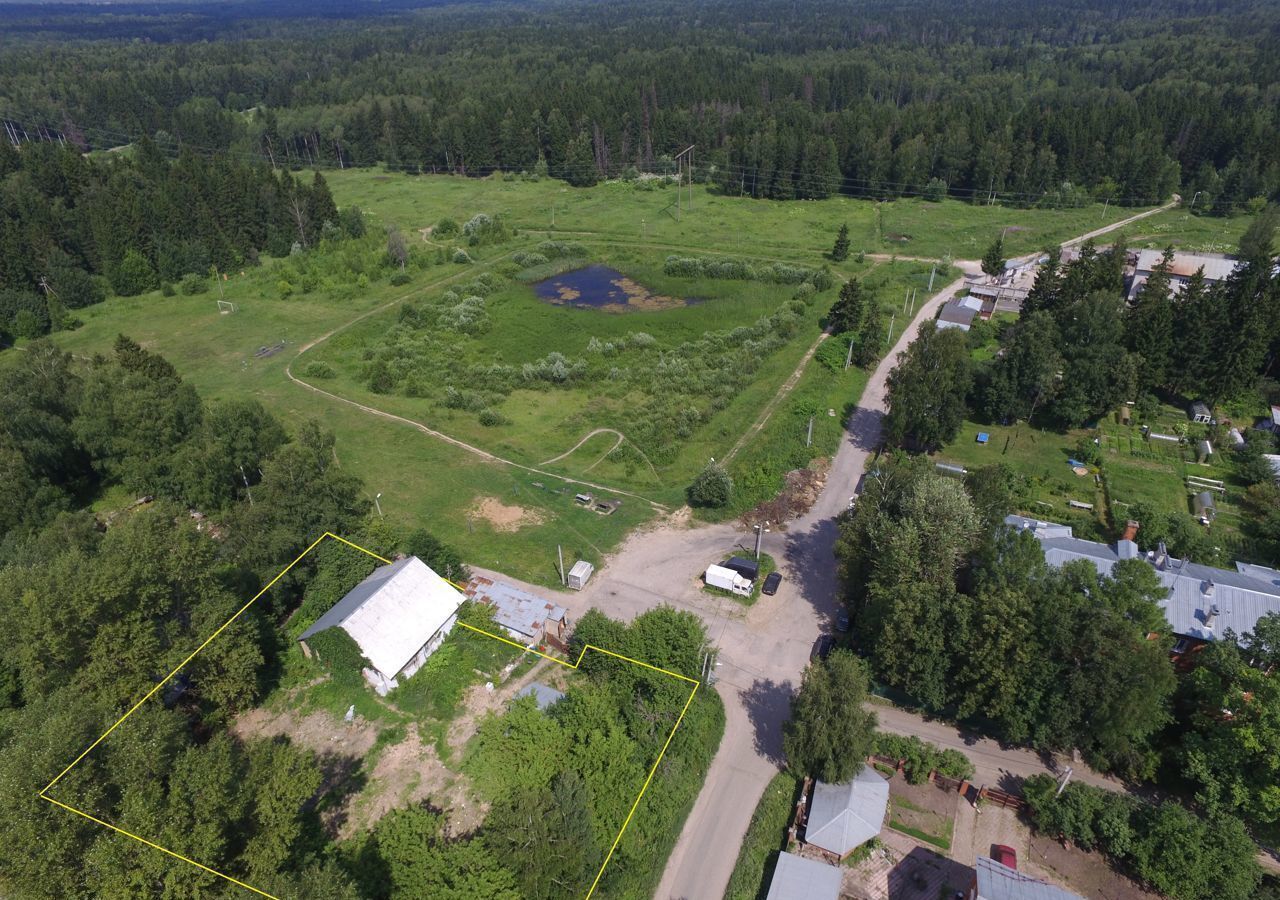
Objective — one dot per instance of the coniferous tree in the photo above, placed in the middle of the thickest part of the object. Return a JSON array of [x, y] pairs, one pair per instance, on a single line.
[[993, 260], [840, 250]]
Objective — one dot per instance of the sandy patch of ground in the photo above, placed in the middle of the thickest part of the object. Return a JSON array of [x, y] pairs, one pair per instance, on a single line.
[[503, 517], [319, 732], [407, 773]]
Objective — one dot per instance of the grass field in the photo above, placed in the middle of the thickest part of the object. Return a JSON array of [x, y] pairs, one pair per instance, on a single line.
[[1180, 229], [795, 231], [1137, 470], [427, 482]]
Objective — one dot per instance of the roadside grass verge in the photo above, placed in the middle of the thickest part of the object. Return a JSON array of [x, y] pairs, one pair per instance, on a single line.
[[766, 836]]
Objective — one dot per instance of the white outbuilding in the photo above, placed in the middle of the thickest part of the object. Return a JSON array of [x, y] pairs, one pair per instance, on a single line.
[[398, 617]]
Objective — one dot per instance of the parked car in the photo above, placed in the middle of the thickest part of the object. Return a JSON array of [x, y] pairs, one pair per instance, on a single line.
[[822, 646], [771, 582], [1005, 855], [842, 620]]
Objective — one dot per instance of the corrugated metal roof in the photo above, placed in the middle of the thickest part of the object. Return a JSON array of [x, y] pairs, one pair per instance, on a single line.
[[845, 816], [1242, 596], [797, 878], [392, 613], [953, 313], [998, 882], [513, 608], [1216, 266], [544, 696], [582, 569]]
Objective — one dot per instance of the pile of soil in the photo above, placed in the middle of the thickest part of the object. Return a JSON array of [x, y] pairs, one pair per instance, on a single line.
[[800, 491]]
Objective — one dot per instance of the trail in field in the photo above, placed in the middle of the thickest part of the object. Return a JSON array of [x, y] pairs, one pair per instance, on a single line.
[[586, 437], [787, 386]]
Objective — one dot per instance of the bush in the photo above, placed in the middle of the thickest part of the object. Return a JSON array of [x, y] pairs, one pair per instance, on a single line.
[[133, 275], [744, 270], [490, 418], [561, 249], [400, 277], [318, 369], [460, 256], [485, 229], [166, 290], [192, 284], [920, 758], [712, 488], [446, 228]]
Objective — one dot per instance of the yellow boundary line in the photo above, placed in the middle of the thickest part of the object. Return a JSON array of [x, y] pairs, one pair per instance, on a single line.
[[44, 793]]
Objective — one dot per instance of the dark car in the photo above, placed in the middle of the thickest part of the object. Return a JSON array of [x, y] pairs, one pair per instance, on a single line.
[[1005, 855], [771, 582], [842, 620], [822, 646]]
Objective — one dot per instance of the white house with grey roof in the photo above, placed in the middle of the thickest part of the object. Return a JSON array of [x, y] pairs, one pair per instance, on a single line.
[[797, 878], [843, 817], [995, 881], [398, 617], [1202, 603]]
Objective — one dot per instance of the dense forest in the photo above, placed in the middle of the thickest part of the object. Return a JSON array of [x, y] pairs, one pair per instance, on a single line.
[[1050, 104], [70, 226]]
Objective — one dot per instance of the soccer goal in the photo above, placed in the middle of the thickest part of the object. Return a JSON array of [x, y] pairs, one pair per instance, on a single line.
[[226, 306]]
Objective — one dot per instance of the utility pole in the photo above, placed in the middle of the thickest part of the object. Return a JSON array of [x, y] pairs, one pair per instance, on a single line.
[[759, 532], [848, 357], [1104, 207], [560, 556], [1066, 776], [889, 340], [913, 301], [809, 437], [932, 272], [684, 161], [905, 298]]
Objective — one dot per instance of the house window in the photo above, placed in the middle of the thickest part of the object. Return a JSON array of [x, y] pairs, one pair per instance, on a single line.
[[1180, 645]]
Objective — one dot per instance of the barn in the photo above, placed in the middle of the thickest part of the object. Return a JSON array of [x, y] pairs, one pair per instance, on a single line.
[[398, 617]]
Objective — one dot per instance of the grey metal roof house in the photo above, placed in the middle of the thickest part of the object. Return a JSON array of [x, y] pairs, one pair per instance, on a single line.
[[397, 616], [843, 817], [1203, 602], [797, 878], [995, 881], [542, 695], [955, 314], [1216, 266], [525, 617]]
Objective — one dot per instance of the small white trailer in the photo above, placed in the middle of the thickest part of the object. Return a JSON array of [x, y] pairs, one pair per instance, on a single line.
[[727, 580], [579, 574]]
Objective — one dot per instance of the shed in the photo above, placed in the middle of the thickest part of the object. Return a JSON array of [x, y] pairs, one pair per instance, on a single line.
[[542, 695], [580, 574], [797, 878], [955, 315], [1199, 411], [747, 568], [397, 616], [1204, 506], [996, 881], [523, 615], [843, 817]]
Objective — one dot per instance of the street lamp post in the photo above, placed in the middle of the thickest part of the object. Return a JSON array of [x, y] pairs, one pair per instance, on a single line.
[[376, 498]]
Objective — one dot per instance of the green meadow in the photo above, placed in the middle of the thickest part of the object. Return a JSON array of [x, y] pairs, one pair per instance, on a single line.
[[336, 303]]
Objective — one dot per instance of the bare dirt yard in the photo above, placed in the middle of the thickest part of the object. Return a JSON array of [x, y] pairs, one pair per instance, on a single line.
[[503, 517]]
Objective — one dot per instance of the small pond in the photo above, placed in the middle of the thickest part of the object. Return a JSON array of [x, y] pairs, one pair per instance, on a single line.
[[602, 287]]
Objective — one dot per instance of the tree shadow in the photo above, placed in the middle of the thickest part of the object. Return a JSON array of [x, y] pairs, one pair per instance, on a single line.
[[768, 706]]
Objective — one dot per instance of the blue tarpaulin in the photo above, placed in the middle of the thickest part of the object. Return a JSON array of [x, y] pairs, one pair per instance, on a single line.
[[983, 437]]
